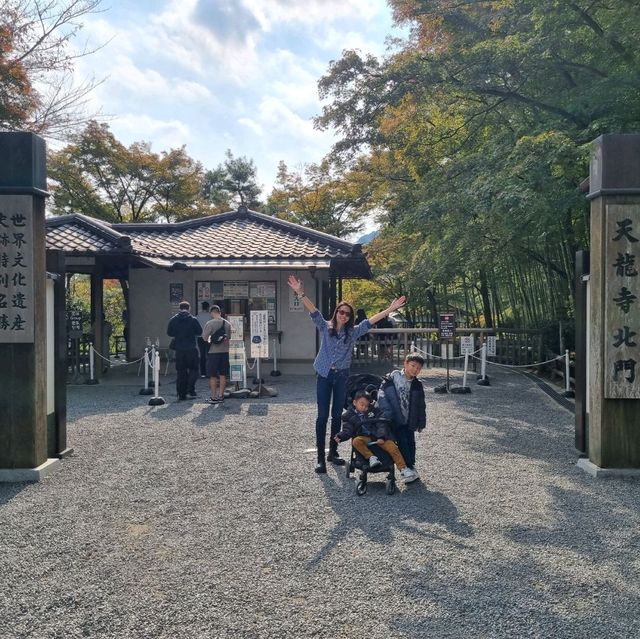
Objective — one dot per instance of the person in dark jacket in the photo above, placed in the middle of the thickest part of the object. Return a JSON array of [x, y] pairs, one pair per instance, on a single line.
[[364, 423], [401, 399], [185, 328]]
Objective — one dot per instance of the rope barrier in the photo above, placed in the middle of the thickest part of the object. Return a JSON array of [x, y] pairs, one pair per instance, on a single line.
[[521, 365], [117, 364], [445, 358], [490, 362]]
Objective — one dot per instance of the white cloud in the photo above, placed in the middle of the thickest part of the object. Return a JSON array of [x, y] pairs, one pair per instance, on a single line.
[[251, 124], [163, 134]]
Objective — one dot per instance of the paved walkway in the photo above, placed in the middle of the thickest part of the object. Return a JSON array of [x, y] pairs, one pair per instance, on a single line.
[[201, 522]]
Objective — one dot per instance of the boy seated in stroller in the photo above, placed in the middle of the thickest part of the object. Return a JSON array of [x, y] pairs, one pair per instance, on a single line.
[[364, 423]]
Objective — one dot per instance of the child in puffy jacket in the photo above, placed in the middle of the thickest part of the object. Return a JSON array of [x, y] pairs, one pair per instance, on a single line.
[[364, 423]]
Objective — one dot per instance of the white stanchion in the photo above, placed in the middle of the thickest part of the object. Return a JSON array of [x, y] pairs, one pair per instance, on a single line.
[[156, 400], [567, 382], [466, 368], [275, 372], [146, 390], [483, 380], [92, 366]]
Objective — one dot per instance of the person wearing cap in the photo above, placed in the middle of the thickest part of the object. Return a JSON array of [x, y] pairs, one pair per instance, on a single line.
[[218, 356]]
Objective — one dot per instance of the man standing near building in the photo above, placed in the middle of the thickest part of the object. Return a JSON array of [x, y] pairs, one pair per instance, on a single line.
[[219, 330], [184, 328], [203, 317]]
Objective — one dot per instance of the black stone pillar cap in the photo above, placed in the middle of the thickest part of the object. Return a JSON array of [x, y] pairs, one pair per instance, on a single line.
[[615, 165], [23, 164]]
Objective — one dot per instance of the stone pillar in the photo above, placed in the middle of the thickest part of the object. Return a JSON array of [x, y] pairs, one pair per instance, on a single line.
[[614, 336], [23, 331]]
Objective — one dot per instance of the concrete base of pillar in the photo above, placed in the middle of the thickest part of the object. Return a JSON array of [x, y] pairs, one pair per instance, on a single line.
[[595, 471], [16, 475]]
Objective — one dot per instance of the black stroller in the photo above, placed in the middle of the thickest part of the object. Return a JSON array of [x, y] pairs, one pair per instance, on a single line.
[[370, 384]]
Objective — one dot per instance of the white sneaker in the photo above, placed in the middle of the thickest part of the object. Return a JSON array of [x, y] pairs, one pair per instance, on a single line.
[[408, 475], [374, 461]]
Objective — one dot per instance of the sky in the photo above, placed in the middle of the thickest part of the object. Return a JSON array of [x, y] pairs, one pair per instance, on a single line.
[[225, 74]]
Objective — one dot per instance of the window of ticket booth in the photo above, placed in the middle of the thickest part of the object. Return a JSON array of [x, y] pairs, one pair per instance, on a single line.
[[240, 297]]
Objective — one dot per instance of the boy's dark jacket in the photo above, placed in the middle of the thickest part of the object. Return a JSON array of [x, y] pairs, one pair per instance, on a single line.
[[389, 404], [371, 423], [184, 327]]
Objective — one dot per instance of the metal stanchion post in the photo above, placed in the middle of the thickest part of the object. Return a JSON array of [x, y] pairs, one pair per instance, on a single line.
[[92, 369], [146, 390], [484, 380], [275, 372], [567, 383], [156, 400]]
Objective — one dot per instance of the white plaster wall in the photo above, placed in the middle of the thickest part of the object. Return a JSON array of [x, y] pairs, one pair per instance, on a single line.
[[150, 308]]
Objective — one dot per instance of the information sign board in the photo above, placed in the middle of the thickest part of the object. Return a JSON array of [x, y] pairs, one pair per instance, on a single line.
[[466, 345], [236, 360], [447, 325], [259, 334], [491, 346]]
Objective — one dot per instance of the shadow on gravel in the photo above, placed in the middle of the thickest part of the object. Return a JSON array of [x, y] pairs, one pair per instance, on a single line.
[[515, 597], [415, 511], [9, 491]]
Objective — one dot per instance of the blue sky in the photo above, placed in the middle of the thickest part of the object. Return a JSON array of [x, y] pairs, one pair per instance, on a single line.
[[225, 74]]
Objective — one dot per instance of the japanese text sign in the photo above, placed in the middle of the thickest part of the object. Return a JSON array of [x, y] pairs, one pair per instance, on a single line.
[[16, 269], [621, 271], [447, 325]]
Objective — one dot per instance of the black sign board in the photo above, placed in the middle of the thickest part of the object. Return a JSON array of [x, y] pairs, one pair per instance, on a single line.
[[447, 325], [74, 324]]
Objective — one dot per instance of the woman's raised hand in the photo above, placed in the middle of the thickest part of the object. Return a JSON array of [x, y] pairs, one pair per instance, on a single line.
[[397, 303], [295, 283]]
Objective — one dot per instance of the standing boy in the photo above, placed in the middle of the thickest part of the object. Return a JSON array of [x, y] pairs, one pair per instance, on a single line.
[[401, 399]]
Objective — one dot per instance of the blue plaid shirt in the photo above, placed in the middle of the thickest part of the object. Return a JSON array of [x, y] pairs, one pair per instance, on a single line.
[[335, 351]]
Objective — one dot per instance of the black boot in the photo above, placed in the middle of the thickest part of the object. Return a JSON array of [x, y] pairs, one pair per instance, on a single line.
[[333, 456], [321, 467]]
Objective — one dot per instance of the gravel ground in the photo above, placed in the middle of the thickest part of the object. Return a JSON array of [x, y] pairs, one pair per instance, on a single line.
[[193, 521]]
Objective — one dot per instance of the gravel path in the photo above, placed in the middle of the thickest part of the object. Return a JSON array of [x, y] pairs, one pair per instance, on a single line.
[[192, 521]]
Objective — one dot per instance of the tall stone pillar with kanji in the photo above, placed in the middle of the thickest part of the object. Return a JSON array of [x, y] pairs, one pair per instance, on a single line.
[[613, 444], [23, 333]]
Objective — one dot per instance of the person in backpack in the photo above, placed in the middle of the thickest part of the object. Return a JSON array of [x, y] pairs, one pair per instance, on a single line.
[[217, 333], [185, 328], [401, 399], [363, 424]]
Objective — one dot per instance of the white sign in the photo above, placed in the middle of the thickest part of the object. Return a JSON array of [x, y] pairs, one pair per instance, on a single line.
[[236, 290], [17, 293], [237, 326], [491, 346], [236, 360], [263, 289], [466, 345], [295, 304], [259, 334]]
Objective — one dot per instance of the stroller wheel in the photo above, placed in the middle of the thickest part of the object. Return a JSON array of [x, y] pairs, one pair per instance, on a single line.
[[361, 488], [390, 487], [349, 468]]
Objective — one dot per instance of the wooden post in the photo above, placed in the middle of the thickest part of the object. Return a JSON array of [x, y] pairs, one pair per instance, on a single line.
[[614, 314], [23, 330]]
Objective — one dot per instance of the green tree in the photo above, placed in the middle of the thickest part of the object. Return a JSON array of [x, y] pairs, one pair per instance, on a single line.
[[97, 175], [231, 184], [317, 197], [37, 88]]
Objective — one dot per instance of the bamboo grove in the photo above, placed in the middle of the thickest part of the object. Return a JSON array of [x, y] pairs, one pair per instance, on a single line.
[[473, 137]]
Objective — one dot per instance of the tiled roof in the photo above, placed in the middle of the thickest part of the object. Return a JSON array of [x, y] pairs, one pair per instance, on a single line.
[[237, 238]]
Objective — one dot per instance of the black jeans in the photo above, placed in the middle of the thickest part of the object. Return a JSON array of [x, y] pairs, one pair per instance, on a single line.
[[187, 365], [406, 440], [334, 384], [203, 347]]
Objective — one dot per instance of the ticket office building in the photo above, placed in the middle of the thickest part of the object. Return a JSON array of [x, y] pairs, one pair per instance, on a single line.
[[238, 260]]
